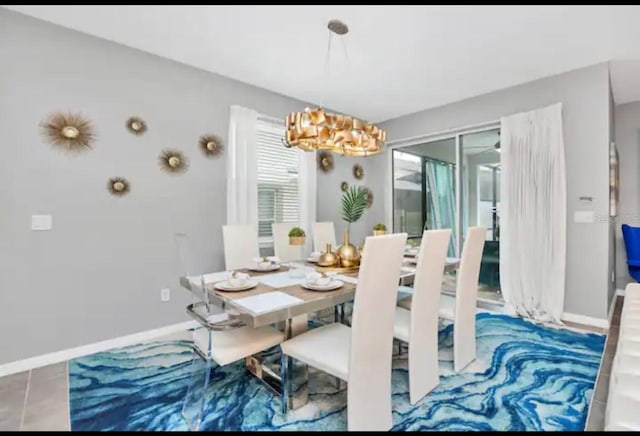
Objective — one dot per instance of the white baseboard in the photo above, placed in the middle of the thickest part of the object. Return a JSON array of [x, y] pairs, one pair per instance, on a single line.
[[586, 320], [85, 350]]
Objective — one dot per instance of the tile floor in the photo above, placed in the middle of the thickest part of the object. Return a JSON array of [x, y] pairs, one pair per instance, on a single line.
[[38, 400], [595, 420]]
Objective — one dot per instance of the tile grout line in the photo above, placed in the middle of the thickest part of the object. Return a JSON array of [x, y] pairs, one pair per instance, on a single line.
[[24, 404]]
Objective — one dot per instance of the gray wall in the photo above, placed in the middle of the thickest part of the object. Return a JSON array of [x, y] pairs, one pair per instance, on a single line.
[[98, 274], [584, 94], [627, 138]]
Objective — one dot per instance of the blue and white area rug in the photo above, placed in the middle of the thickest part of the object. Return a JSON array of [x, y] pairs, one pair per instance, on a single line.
[[526, 377]]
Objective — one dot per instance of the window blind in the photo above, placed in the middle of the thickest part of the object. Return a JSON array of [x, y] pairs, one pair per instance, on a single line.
[[278, 197]]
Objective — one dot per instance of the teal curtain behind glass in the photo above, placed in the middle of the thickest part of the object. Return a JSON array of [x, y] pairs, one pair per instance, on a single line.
[[441, 199]]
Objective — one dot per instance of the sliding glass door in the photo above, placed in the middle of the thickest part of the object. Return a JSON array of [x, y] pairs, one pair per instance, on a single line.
[[451, 183]]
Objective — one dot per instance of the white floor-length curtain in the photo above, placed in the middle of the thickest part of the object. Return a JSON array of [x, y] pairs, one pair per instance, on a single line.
[[533, 213], [242, 167], [307, 194]]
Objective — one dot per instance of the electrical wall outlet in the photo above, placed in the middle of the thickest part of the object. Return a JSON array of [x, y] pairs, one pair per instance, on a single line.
[[165, 294], [41, 222]]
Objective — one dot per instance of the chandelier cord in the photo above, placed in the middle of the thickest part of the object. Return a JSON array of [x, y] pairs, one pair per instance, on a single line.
[[326, 69]]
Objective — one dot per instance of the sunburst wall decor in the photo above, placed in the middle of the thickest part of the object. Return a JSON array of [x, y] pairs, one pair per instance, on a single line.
[[344, 186], [358, 172], [70, 132], [173, 161], [118, 186], [325, 161], [210, 145], [369, 195], [136, 125]]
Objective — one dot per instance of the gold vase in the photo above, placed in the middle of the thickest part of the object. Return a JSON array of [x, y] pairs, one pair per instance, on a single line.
[[348, 253], [328, 258]]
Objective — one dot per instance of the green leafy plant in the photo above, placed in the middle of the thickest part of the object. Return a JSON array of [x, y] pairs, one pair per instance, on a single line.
[[380, 226], [354, 203], [296, 232]]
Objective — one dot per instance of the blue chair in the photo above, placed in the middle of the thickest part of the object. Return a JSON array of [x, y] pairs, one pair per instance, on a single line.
[[631, 237]]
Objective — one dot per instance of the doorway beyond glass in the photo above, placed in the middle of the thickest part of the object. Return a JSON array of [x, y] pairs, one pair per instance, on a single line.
[[452, 182]]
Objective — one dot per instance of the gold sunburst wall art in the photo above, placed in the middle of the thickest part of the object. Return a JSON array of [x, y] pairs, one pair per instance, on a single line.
[[118, 186], [173, 161], [71, 132], [344, 186], [136, 125], [325, 161], [210, 145], [369, 195], [358, 171]]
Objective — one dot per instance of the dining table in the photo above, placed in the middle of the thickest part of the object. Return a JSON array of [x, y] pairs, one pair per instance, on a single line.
[[280, 299]]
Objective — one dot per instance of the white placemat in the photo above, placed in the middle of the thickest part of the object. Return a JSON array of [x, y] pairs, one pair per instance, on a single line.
[[210, 278], [268, 302], [347, 279], [282, 280]]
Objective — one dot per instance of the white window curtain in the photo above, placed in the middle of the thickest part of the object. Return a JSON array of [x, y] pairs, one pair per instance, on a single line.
[[533, 216], [242, 167], [245, 128]]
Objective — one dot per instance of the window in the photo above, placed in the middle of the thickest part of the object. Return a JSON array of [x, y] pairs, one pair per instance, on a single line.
[[278, 198]]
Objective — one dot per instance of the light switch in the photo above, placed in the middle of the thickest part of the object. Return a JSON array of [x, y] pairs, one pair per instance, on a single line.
[[41, 222], [583, 216]]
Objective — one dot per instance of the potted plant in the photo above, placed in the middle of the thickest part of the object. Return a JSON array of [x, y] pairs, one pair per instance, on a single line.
[[296, 236], [354, 204], [379, 229]]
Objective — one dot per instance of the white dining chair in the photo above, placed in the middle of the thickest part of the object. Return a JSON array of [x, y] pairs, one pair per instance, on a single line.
[[361, 354], [419, 326], [240, 246], [281, 247], [463, 310], [221, 338], [323, 233]]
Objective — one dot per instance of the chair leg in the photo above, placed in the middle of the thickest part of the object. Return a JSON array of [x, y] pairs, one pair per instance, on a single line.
[[285, 381], [194, 401]]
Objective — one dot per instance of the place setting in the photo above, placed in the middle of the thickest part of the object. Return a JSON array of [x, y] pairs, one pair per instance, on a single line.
[[236, 282], [322, 282], [265, 264]]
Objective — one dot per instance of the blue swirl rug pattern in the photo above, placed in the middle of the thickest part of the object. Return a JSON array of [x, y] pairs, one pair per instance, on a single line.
[[526, 377]]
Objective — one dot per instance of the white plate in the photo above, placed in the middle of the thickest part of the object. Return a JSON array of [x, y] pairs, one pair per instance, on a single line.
[[225, 286], [267, 269], [312, 259], [333, 285]]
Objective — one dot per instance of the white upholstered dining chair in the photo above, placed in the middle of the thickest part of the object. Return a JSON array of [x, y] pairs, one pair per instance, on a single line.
[[281, 247], [323, 233], [240, 246], [419, 327], [463, 310], [361, 354], [221, 338]]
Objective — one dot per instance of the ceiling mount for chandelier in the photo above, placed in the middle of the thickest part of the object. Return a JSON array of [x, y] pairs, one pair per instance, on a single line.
[[316, 129]]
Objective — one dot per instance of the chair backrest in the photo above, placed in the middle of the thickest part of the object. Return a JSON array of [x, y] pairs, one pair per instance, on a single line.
[[428, 285], [631, 236], [240, 246], [469, 273], [281, 247], [369, 393], [189, 272], [323, 233]]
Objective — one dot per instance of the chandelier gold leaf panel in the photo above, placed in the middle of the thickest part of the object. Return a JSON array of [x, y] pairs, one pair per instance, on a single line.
[[316, 129]]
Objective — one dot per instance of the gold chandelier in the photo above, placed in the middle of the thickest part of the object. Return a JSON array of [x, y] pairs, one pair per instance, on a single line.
[[319, 130]]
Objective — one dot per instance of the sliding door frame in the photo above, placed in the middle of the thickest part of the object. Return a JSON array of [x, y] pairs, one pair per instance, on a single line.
[[433, 137]]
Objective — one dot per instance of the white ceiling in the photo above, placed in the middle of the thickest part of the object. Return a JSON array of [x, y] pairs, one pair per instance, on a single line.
[[401, 59]]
